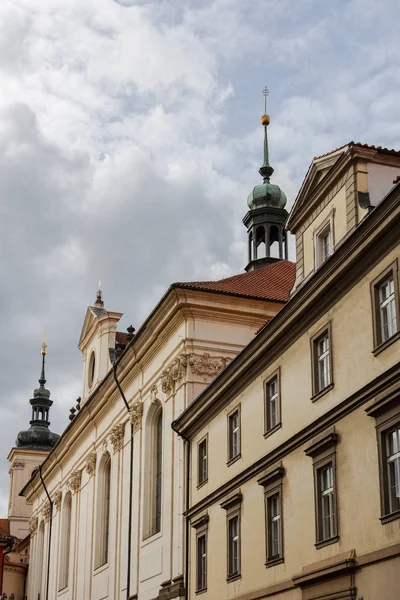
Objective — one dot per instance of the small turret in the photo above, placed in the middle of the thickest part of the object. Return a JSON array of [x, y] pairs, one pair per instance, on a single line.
[[266, 218], [39, 436]]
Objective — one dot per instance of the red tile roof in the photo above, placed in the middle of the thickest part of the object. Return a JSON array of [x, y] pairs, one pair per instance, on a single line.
[[359, 145], [120, 337], [272, 282]]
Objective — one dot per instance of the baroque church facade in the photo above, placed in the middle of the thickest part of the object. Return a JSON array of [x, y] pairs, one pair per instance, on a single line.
[[152, 491]]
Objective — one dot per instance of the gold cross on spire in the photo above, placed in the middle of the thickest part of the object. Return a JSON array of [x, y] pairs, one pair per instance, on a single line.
[[265, 94]]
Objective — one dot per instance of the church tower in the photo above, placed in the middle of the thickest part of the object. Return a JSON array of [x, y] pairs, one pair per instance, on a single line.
[[31, 448], [265, 220]]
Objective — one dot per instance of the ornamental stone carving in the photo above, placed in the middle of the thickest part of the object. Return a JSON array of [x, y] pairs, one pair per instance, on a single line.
[[74, 481], [57, 499], [173, 373], [33, 524], [136, 416], [46, 511], [153, 395], [207, 367], [104, 448], [90, 465], [117, 437], [18, 464]]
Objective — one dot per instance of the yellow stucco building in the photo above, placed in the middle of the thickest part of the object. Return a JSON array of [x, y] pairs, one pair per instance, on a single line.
[[294, 450]]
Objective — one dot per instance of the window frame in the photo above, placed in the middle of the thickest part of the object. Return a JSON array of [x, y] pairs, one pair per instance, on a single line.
[[233, 511], [230, 458], [386, 411], [201, 527], [268, 430], [102, 550], [323, 453], [378, 344], [328, 223], [317, 392], [65, 543], [272, 483], [201, 481]]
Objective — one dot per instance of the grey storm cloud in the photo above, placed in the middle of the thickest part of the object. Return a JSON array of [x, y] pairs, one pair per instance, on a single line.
[[130, 139]]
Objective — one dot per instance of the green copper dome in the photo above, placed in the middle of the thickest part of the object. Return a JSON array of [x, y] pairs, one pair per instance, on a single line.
[[266, 194]]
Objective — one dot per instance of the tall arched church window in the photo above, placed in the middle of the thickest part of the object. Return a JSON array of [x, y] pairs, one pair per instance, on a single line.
[[40, 557], [103, 512], [92, 367], [65, 542], [158, 473]]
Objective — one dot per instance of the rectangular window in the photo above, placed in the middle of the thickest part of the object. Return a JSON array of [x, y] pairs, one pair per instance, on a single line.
[[393, 469], [323, 452], [321, 350], [326, 502], [202, 461], [323, 242], [232, 505], [201, 580], [274, 527], [233, 546], [385, 307], [234, 435], [272, 403]]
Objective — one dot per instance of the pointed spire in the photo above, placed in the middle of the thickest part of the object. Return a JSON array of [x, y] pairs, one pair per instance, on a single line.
[[266, 170], [42, 379]]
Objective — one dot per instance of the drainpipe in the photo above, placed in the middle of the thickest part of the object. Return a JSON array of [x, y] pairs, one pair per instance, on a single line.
[[50, 528], [187, 491], [128, 575]]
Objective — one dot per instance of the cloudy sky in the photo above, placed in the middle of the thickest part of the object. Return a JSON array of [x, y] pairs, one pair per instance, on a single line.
[[130, 139]]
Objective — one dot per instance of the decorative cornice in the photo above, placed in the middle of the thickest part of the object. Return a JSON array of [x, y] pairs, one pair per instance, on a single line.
[[173, 373], [90, 464], [117, 437], [18, 464], [46, 510], [74, 481], [33, 524], [57, 499], [136, 416], [207, 367]]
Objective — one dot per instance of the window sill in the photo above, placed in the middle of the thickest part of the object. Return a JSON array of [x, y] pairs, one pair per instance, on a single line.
[[200, 485], [272, 430], [390, 517], [100, 568], [274, 561], [233, 460], [318, 395], [150, 538], [327, 542], [202, 591], [386, 344], [233, 577]]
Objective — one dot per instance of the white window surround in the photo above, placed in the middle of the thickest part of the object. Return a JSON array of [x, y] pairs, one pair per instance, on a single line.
[[65, 542], [103, 514], [324, 241]]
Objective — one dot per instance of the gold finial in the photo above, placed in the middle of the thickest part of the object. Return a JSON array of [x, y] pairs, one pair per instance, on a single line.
[[44, 345], [99, 287], [265, 120]]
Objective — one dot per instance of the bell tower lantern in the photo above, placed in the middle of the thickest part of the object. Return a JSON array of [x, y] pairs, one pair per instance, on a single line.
[[266, 218]]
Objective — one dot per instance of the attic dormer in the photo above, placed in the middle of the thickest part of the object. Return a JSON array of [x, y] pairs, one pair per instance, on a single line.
[[338, 192], [97, 337]]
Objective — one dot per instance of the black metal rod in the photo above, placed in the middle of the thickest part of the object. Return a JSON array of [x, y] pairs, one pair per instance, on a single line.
[[50, 528], [187, 494], [128, 575]]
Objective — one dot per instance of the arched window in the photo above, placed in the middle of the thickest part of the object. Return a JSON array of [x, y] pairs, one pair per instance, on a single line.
[[158, 473], [65, 543], [92, 367], [40, 557], [260, 242], [103, 514]]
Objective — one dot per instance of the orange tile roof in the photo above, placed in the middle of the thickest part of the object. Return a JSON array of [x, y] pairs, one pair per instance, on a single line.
[[272, 282], [120, 337], [359, 145]]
